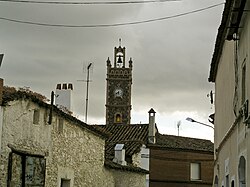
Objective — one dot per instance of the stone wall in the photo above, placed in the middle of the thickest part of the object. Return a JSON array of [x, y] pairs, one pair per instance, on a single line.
[[77, 155], [20, 134], [129, 179], [72, 153]]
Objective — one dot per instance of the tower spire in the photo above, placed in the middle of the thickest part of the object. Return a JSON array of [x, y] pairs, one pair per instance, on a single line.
[[120, 42]]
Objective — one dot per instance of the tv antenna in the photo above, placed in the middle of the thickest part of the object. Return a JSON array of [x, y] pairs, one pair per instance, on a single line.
[[90, 65], [178, 127]]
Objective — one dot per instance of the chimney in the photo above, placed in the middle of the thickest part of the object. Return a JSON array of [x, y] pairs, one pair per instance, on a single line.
[[151, 126], [1, 91], [120, 155], [63, 95]]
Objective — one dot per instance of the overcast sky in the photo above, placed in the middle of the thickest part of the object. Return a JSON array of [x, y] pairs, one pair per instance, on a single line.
[[171, 57]]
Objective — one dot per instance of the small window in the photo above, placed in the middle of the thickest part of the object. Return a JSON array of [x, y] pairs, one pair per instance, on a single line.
[[60, 125], [227, 181], [65, 183], [232, 183], [36, 116], [144, 155], [195, 171], [216, 181]]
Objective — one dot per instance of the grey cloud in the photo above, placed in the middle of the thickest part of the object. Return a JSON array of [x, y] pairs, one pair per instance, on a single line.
[[171, 57]]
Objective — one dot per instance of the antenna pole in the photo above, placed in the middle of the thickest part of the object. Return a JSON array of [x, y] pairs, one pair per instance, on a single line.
[[178, 126], [87, 94]]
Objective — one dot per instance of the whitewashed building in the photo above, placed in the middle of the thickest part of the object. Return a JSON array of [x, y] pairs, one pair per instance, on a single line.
[[230, 70]]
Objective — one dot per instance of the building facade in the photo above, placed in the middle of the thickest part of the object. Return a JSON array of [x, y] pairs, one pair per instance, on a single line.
[[118, 91], [63, 152], [230, 70], [177, 161]]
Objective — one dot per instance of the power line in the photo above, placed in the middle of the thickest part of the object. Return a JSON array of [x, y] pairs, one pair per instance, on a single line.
[[110, 25], [87, 2]]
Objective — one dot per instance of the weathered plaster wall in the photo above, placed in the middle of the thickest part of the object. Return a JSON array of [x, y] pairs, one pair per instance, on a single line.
[[20, 133], [224, 89], [236, 144]]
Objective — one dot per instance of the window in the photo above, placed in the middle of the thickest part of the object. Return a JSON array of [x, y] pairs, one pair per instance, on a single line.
[[65, 183], [242, 172], [36, 116], [232, 183], [60, 125], [195, 171], [26, 170], [227, 181], [216, 181]]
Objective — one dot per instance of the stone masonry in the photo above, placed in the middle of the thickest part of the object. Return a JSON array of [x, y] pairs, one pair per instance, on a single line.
[[73, 153]]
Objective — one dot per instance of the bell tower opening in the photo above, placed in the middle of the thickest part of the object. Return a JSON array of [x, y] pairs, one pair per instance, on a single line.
[[118, 118], [119, 56]]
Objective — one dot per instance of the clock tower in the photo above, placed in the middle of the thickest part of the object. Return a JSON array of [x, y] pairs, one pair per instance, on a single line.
[[118, 93]]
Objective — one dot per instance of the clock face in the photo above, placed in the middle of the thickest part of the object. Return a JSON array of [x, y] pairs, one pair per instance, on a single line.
[[118, 92]]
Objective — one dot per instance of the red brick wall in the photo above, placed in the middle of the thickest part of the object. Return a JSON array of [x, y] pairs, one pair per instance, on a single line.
[[171, 168]]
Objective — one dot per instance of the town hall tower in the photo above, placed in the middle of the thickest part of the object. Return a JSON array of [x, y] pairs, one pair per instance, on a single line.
[[118, 91]]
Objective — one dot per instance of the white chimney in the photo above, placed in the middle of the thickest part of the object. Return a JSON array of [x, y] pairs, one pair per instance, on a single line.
[[151, 126], [120, 155], [63, 95]]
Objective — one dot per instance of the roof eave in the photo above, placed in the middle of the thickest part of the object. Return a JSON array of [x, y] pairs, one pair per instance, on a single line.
[[229, 25]]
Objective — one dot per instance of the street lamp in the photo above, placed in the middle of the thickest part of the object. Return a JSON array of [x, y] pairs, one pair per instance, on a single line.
[[192, 120]]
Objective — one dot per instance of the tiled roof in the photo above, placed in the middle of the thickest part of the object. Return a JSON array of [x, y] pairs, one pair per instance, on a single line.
[[183, 143], [112, 165], [132, 136], [11, 94]]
